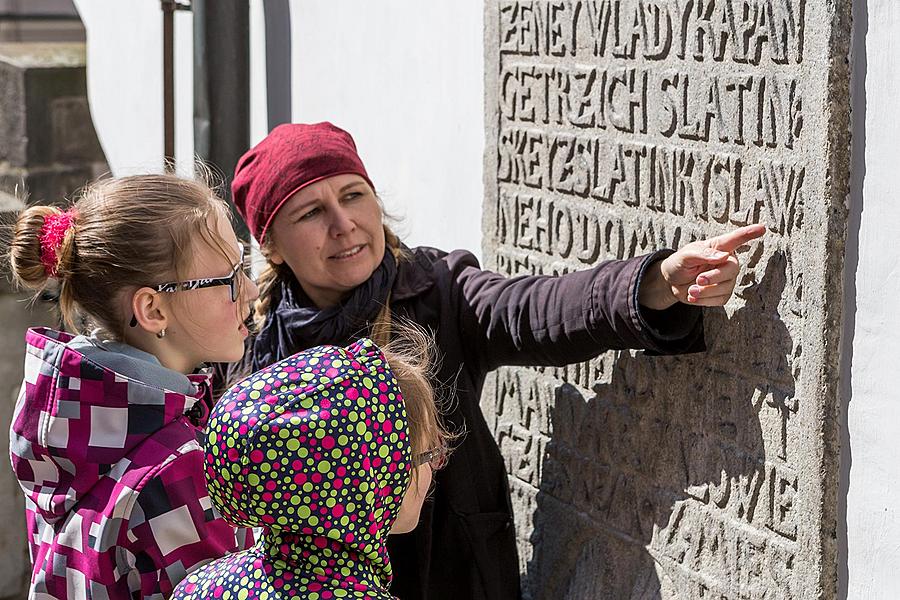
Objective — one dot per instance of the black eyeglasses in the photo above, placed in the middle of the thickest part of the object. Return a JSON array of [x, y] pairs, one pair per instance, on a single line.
[[230, 280]]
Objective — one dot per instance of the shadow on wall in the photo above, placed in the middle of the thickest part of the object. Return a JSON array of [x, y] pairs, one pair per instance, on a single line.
[[658, 486]]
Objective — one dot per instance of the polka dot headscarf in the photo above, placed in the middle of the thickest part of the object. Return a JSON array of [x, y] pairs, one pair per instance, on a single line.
[[315, 449]]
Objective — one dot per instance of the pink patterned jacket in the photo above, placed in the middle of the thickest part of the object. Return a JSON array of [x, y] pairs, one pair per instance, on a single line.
[[116, 500]]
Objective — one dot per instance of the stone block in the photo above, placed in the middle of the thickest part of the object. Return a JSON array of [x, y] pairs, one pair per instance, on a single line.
[[618, 127], [45, 119]]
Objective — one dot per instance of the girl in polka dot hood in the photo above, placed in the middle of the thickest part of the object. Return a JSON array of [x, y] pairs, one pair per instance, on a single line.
[[320, 450]]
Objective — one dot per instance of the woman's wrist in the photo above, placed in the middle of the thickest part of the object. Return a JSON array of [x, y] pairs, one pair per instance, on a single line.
[[654, 291]]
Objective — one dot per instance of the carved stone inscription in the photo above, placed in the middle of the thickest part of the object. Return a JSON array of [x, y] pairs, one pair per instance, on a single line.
[[615, 128]]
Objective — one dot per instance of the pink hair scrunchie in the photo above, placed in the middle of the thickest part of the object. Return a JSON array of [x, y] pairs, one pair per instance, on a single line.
[[53, 232]]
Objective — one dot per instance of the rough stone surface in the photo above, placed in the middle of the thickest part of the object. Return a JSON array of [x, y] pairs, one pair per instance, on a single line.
[[48, 149], [47, 138], [617, 127]]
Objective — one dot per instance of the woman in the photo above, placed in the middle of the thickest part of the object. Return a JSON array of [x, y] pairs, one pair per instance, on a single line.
[[337, 272], [104, 436]]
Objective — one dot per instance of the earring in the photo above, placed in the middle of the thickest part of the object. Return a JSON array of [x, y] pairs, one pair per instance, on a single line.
[[161, 334]]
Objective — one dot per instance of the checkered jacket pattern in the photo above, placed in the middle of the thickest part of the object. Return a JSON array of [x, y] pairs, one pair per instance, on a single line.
[[111, 467]]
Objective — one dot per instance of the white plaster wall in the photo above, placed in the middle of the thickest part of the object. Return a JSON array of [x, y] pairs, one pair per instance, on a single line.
[[124, 57], [873, 415], [405, 79]]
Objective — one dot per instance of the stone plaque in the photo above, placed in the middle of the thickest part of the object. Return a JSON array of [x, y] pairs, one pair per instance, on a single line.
[[618, 127]]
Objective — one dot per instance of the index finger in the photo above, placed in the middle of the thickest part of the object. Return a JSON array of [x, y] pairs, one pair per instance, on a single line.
[[727, 242]]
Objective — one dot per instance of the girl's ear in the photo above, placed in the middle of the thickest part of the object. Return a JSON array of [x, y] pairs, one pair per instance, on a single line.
[[149, 310]]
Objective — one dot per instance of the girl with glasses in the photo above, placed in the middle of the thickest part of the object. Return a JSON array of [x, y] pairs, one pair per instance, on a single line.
[[328, 451], [104, 435]]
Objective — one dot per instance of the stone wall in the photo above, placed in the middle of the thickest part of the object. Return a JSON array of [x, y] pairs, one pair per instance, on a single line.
[[617, 127], [48, 149]]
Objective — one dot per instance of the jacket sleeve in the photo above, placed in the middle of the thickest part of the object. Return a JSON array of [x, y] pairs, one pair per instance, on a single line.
[[545, 320], [173, 528]]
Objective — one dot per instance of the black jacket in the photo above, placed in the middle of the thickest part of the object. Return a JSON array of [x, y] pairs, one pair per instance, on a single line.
[[465, 547]]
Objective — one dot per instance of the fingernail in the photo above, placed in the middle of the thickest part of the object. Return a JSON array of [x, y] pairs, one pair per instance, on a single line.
[[694, 290], [703, 280], [691, 299]]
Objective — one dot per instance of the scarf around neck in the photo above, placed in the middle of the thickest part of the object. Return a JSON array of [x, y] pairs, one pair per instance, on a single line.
[[296, 323]]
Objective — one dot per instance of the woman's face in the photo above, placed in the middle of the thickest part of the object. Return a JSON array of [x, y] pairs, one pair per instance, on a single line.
[[330, 234], [204, 324], [408, 516]]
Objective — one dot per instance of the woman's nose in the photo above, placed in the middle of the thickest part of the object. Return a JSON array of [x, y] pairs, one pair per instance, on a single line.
[[341, 222]]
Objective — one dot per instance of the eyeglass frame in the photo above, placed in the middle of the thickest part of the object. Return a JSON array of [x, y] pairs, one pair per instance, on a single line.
[[205, 282], [431, 456]]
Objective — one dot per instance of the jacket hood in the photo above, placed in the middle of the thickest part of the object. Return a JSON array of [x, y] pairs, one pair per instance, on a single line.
[[83, 407], [315, 449]]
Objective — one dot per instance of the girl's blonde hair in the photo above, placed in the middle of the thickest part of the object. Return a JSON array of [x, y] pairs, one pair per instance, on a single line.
[[412, 358], [127, 232]]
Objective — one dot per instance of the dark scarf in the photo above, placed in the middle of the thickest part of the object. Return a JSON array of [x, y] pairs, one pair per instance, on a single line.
[[295, 323]]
